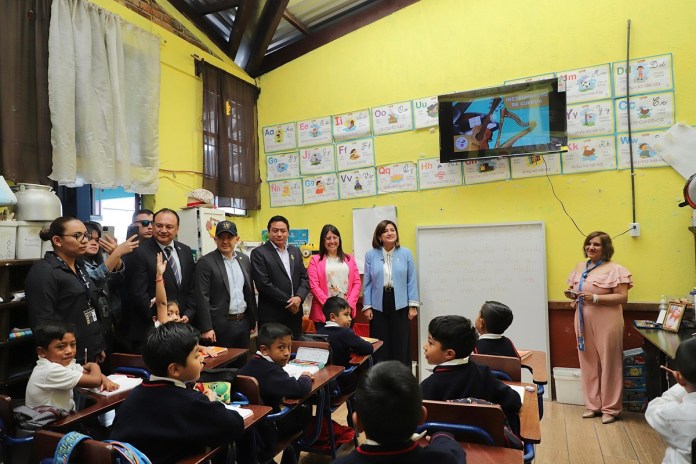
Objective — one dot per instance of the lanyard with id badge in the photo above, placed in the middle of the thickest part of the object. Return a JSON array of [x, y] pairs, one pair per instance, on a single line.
[[89, 313], [581, 321]]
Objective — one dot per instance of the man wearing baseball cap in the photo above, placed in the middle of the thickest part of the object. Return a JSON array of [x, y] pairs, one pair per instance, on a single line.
[[225, 301]]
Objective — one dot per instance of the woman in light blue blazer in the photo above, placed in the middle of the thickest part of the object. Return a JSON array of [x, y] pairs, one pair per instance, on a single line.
[[390, 293]]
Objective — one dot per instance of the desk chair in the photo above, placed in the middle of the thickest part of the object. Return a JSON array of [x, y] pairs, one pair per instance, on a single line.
[[91, 451], [131, 364], [9, 440]]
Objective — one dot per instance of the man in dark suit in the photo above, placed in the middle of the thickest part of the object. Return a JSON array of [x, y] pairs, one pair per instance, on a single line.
[[280, 278], [225, 300], [141, 271]]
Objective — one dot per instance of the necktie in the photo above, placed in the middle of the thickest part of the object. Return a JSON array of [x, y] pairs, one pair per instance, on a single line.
[[172, 263]]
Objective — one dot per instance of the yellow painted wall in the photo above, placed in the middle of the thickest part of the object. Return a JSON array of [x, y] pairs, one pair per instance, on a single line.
[[181, 107], [439, 46]]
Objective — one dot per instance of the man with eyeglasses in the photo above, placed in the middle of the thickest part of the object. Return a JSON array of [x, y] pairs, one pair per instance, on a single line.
[[142, 219], [141, 270]]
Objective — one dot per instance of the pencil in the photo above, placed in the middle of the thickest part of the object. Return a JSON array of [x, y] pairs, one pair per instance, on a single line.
[[85, 355], [662, 366]]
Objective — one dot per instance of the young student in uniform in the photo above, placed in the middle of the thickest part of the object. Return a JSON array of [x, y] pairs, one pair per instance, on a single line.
[[162, 417], [57, 372], [451, 339], [388, 408], [163, 310], [275, 342], [342, 339], [492, 321], [673, 415]]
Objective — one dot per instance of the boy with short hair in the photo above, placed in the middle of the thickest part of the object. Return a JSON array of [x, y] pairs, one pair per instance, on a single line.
[[274, 341], [342, 339], [494, 319], [451, 339], [673, 415], [161, 417], [56, 372], [389, 407]]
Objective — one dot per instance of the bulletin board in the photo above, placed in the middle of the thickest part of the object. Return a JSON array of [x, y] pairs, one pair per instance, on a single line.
[[462, 266], [364, 222]]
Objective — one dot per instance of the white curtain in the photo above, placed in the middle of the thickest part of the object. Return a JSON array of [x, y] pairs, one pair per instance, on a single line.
[[104, 87]]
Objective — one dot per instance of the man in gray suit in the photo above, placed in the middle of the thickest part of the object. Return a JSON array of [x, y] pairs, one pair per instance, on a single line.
[[225, 300], [280, 278]]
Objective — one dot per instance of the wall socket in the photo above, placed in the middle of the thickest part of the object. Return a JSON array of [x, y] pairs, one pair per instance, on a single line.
[[635, 229]]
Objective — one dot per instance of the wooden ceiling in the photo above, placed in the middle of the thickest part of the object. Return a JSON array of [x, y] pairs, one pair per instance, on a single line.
[[261, 35]]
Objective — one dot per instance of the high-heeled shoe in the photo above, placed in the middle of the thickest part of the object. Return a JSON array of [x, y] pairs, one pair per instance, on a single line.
[[608, 418], [589, 414]]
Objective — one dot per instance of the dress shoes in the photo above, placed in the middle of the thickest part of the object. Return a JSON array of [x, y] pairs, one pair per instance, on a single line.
[[608, 418], [589, 414]]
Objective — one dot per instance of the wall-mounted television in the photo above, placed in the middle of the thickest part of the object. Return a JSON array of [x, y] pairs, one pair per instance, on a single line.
[[509, 120]]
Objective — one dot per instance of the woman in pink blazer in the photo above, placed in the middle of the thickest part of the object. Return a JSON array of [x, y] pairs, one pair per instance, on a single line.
[[332, 273]]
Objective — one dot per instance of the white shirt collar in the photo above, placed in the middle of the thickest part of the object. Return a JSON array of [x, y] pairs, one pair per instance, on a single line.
[[267, 358], [490, 336], [414, 437], [454, 362], [178, 383], [278, 249], [331, 324]]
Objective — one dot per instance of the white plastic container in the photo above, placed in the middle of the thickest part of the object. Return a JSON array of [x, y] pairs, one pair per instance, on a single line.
[[568, 387], [28, 240], [8, 239]]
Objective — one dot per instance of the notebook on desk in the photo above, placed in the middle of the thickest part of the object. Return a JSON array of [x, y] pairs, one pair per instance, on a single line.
[[307, 360], [205, 350], [370, 339], [523, 353], [124, 382], [241, 411]]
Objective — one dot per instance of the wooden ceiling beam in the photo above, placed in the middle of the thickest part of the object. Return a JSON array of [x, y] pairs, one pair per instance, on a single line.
[[268, 23], [331, 31], [200, 22], [222, 6], [296, 23], [245, 12]]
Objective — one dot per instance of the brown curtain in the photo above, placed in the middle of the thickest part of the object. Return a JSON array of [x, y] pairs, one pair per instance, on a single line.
[[230, 147], [25, 125]]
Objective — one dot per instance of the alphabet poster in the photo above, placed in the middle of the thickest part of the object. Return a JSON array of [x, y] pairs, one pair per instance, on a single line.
[[486, 170], [314, 132], [592, 154], [279, 138], [593, 83], [393, 118], [320, 188], [590, 119], [397, 177], [358, 183], [535, 165], [350, 126], [283, 166], [425, 112], [644, 155], [434, 174], [652, 111], [650, 74], [317, 160], [286, 193], [355, 154]]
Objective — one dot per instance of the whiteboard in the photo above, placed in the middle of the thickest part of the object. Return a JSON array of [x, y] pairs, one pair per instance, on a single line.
[[461, 267], [365, 221]]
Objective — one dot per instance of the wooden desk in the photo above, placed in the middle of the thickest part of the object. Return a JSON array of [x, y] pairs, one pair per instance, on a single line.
[[536, 363], [356, 359], [530, 427], [224, 358], [660, 347], [482, 454], [321, 379], [259, 413], [101, 405]]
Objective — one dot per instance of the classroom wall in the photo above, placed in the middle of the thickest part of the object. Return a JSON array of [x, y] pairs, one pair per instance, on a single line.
[[440, 46]]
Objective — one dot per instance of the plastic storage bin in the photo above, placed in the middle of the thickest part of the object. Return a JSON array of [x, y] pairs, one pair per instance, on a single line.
[[568, 387], [8, 239], [28, 240]]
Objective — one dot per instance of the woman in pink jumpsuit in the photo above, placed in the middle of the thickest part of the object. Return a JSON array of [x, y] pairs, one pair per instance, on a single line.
[[599, 288]]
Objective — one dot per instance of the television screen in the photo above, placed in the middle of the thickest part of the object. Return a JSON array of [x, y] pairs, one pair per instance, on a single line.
[[517, 119]]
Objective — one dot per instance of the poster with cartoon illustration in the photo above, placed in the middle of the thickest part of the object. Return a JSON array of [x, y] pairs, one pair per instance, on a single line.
[[317, 160], [650, 74], [644, 155], [425, 112], [286, 193], [590, 154], [585, 84], [590, 119], [486, 170], [390, 119], [315, 131], [397, 177], [318, 189], [355, 154], [539, 77], [535, 165], [653, 111], [279, 138], [283, 166], [351, 126], [434, 174], [357, 183]]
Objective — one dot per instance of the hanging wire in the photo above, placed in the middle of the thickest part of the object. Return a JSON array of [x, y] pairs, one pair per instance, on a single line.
[[546, 166]]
